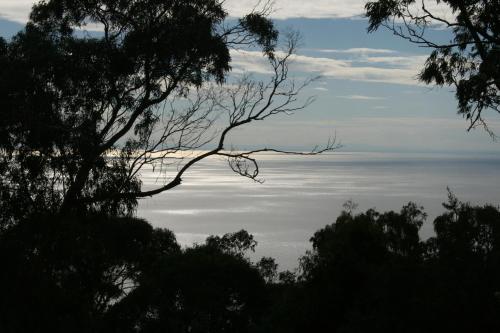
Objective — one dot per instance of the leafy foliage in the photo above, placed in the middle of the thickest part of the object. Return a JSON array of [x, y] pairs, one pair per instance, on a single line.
[[79, 110], [235, 243], [201, 289], [371, 272], [64, 274], [367, 271], [469, 61]]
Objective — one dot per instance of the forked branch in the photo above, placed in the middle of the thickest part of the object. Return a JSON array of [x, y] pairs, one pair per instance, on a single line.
[[238, 104]]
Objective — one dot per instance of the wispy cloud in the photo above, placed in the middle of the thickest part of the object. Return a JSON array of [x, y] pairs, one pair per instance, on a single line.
[[284, 9], [357, 51], [321, 89], [403, 61], [362, 97], [18, 10], [386, 70], [183, 212], [374, 56]]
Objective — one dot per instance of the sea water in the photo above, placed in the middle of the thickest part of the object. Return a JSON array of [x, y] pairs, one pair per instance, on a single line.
[[301, 194]]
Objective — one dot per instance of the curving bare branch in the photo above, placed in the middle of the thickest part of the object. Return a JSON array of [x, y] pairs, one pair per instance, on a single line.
[[176, 137]]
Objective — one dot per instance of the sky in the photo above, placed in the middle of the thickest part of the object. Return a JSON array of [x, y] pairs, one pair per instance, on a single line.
[[367, 96]]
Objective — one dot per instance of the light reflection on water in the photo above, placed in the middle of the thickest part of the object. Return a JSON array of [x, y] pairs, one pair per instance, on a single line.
[[302, 194]]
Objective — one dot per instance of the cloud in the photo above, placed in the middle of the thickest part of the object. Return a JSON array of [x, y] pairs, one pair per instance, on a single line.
[[18, 10], [406, 61], [249, 62], [362, 97], [358, 51], [284, 9], [366, 69], [209, 211], [375, 56], [321, 89]]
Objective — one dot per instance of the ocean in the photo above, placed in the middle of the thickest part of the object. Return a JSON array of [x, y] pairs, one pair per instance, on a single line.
[[302, 194]]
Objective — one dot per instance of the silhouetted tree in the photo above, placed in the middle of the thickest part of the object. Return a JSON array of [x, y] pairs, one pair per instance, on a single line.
[[464, 265], [203, 289], [102, 274], [63, 274], [83, 113], [368, 271], [287, 277], [371, 272], [268, 269], [363, 272], [237, 243], [470, 61]]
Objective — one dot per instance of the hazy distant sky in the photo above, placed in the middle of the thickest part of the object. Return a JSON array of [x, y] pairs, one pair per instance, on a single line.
[[368, 94]]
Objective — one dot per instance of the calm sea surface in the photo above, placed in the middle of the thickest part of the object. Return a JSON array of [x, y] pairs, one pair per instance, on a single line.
[[302, 194]]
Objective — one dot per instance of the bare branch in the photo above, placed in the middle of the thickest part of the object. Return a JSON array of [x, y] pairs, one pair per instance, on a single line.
[[238, 104]]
